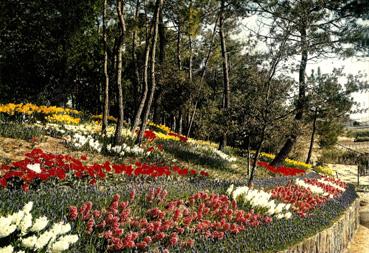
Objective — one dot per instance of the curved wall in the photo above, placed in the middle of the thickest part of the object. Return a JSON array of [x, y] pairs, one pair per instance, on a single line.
[[334, 239]]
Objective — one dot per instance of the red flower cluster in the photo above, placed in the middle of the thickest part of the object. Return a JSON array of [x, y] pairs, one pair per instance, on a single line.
[[302, 199], [181, 137], [150, 135], [201, 215], [327, 188], [335, 181], [286, 171], [62, 166]]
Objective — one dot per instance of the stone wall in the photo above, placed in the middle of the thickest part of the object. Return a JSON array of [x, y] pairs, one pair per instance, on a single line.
[[334, 239]]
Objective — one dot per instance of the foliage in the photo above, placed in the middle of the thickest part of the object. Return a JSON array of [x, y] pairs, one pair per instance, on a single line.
[[361, 138], [17, 131]]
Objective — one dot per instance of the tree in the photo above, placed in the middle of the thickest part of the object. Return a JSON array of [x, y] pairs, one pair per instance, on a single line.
[[329, 103], [119, 48], [226, 84], [145, 90], [318, 30], [106, 73], [158, 8], [36, 42]]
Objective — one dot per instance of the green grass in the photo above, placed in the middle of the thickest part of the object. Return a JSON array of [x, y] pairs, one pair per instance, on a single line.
[[20, 131]]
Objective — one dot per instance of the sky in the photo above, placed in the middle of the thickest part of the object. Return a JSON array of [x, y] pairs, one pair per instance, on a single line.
[[352, 65]]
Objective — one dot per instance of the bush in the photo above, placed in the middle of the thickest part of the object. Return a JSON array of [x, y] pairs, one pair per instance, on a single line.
[[361, 138]]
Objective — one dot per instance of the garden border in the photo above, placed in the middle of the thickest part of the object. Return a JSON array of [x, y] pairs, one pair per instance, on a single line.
[[334, 239]]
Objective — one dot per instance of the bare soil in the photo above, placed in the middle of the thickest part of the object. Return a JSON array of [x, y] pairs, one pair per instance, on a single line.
[[14, 149]]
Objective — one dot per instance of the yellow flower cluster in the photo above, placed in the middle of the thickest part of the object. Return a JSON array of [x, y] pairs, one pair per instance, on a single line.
[[29, 109], [203, 143], [63, 118], [324, 170], [166, 137], [267, 155], [294, 163], [288, 162], [164, 128], [99, 118]]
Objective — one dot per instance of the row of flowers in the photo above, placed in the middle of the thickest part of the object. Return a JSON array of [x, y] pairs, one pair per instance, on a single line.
[[282, 170], [305, 195], [300, 196], [163, 132], [287, 162], [39, 166], [85, 137], [53, 114], [200, 149], [29, 109]]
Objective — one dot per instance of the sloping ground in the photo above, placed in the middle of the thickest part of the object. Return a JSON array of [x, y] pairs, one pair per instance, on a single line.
[[14, 149]]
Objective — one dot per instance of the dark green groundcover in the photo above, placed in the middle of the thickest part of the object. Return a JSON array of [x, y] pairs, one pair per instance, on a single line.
[[53, 202]]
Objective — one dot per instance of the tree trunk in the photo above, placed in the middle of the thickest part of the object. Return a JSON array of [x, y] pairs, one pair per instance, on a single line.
[[226, 84], [209, 51], [159, 4], [312, 137], [178, 48], [136, 83], [255, 160], [191, 120], [179, 57], [248, 155], [122, 26], [145, 87], [106, 75], [301, 104], [191, 58], [180, 122], [118, 130], [162, 45]]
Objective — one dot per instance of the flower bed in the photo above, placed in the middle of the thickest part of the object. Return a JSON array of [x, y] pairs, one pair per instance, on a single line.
[[39, 166], [165, 224], [209, 211]]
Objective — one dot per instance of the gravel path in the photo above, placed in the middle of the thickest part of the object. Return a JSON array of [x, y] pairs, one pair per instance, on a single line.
[[360, 242], [348, 174]]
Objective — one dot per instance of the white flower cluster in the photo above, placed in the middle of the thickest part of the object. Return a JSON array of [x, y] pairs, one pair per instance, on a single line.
[[81, 135], [52, 240], [260, 199], [200, 149], [79, 140], [224, 156], [125, 149], [313, 188]]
